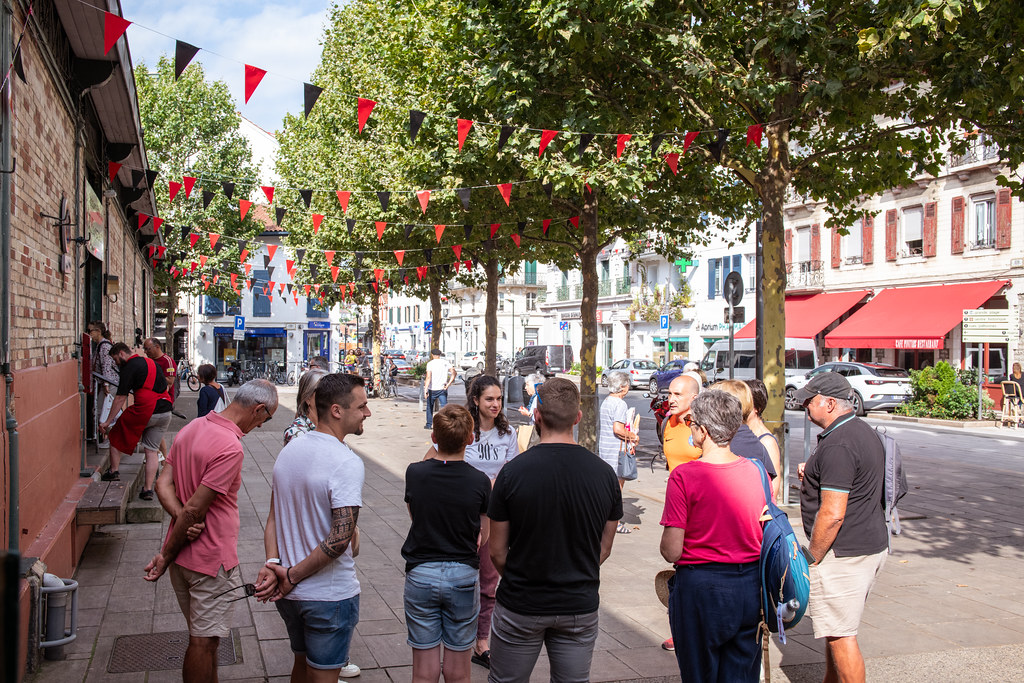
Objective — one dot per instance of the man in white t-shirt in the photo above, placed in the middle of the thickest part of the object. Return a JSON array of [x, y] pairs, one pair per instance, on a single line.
[[440, 375], [311, 535]]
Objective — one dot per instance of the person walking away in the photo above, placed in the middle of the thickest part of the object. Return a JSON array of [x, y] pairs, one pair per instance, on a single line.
[[314, 507], [615, 435], [712, 534], [744, 442], [447, 501], [759, 397], [204, 469], [553, 511], [841, 506], [103, 364], [440, 375], [533, 381], [212, 396], [678, 441], [305, 404], [145, 420]]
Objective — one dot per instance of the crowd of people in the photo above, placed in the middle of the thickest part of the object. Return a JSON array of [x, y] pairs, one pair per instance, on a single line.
[[504, 548]]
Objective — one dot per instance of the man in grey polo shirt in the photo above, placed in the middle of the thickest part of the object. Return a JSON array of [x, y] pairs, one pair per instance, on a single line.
[[841, 506]]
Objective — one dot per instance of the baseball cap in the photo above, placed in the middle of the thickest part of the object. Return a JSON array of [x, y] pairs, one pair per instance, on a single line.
[[435, 352], [830, 384]]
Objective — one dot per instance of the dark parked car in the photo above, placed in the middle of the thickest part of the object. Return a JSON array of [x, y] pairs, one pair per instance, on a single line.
[[546, 359], [669, 371]]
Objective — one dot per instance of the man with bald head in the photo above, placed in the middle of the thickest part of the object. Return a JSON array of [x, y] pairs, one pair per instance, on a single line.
[[678, 445]]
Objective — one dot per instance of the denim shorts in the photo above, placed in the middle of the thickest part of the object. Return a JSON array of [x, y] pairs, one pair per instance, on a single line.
[[321, 629], [442, 601]]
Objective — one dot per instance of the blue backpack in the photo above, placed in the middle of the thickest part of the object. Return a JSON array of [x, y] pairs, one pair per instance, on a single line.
[[785, 578]]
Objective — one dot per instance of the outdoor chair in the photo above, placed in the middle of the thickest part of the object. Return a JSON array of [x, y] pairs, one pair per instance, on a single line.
[[1012, 399]]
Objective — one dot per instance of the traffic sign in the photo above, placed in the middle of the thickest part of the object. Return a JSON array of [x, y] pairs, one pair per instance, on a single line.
[[664, 322], [733, 288], [239, 334], [428, 325], [563, 325], [992, 326]]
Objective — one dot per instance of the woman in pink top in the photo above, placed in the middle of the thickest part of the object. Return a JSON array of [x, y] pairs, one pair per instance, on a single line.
[[712, 533]]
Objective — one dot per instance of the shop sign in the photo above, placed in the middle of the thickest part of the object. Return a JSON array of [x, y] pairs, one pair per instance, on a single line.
[[918, 343], [319, 324], [570, 315], [720, 328], [94, 224]]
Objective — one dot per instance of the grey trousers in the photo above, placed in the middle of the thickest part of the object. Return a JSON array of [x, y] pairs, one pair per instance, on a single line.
[[516, 640]]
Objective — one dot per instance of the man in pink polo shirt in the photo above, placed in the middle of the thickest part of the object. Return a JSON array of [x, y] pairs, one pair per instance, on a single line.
[[204, 469]]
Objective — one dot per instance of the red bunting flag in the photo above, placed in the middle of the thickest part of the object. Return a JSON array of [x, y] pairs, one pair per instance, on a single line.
[[234, 279], [438, 231], [351, 288], [464, 126], [192, 239], [243, 208], [378, 273], [494, 229], [160, 251], [296, 294], [364, 108], [173, 189], [202, 261], [515, 238], [329, 255], [192, 267], [206, 285], [143, 219], [113, 28], [620, 143], [469, 265], [270, 298], [213, 240], [575, 220], [289, 265], [112, 169], [305, 291], [270, 285], [399, 256], [271, 250], [248, 268], [754, 134], [280, 287], [381, 225], [152, 250], [242, 256], [317, 288], [672, 159], [317, 220], [688, 140], [458, 264], [157, 222], [334, 273], [375, 288], [506, 192], [269, 192], [458, 251], [253, 76], [421, 271], [343, 200], [424, 198], [546, 224], [215, 278], [546, 136], [190, 182]]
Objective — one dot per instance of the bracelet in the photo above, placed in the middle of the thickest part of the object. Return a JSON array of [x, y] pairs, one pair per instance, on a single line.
[[273, 560], [288, 575]]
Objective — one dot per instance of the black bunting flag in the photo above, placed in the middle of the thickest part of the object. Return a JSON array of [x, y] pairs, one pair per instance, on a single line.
[[151, 178], [300, 254], [428, 254], [229, 189], [585, 139], [467, 229], [356, 272], [464, 193], [384, 198], [547, 188], [408, 230], [270, 272], [656, 143], [279, 214], [718, 146], [313, 268], [137, 177], [266, 260], [350, 223], [310, 94], [415, 121], [183, 54], [359, 258], [520, 227], [207, 198], [503, 136], [185, 230], [307, 197]]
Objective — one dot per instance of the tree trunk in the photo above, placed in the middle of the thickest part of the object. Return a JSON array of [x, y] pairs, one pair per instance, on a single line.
[[588, 318], [435, 313], [172, 313], [491, 317]]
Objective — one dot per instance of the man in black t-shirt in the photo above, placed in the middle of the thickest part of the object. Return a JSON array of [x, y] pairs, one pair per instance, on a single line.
[[841, 505], [553, 511]]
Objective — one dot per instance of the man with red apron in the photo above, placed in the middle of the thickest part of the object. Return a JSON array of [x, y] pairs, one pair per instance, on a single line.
[[145, 420]]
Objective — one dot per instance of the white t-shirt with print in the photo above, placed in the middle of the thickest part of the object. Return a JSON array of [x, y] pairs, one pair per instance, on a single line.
[[438, 369], [490, 453], [312, 476]]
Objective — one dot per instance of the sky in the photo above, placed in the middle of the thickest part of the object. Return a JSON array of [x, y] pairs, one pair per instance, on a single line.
[[282, 37]]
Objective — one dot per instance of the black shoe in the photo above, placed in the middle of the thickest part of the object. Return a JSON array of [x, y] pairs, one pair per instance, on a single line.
[[111, 475], [428, 427], [146, 494], [482, 658]]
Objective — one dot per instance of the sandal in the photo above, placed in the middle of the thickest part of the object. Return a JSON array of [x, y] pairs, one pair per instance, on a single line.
[[623, 529], [482, 658]]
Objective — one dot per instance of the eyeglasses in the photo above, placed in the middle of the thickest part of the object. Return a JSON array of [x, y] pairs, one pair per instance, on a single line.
[[269, 415], [250, 590], [689, 422]]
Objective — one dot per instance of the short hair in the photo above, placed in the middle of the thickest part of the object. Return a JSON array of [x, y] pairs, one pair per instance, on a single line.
[[255, 392], [452, 426], [118, 348], [336, 388], [719, 413], [759, 394], [101, 327], [617, 381], [534, 378], [307, 385], [559, 404], [320, 362], [435, 352], [155, 342], [740, 390], [207, 373]]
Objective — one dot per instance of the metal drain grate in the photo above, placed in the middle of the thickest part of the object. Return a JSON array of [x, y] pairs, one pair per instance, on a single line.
[[163, 651]]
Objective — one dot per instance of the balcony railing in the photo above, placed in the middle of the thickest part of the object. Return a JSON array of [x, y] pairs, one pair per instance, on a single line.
[[563, 293], [577, 291], [604, 288], [527, 279], [622, 285], [981, 149], [805, 275]]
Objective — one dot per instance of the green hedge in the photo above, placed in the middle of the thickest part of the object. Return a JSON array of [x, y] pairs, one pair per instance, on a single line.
[[945, 393]]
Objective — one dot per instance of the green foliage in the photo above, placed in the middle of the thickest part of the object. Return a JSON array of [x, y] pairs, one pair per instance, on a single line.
[[650, 305], [943, 392], [577, 369], [419, 371]]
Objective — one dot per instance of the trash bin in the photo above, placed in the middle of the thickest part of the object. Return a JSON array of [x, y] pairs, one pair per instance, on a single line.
[[514, 386]]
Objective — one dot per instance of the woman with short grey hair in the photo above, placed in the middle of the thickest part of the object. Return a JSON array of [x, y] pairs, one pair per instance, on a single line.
[[615, 436], [712, 534], [305, 404]]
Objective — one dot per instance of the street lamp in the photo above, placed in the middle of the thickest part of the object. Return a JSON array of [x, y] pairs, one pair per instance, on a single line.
[[524, 318]]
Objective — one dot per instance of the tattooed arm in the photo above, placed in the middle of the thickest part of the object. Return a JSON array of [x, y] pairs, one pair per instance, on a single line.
[[343, 526]]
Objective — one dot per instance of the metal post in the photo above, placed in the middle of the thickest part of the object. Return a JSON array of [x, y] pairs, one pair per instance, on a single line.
[[732, 358], [980, 384], [807, 442], [759, 301]]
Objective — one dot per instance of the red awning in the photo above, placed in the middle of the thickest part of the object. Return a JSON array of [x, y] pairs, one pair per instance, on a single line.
[[910, 317], [808, 315]]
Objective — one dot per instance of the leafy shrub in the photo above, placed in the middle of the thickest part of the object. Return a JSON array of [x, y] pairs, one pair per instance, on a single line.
[[943, 392], [419, 371]]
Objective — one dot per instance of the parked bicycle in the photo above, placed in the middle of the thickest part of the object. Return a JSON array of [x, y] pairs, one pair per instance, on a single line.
[[188, 375]]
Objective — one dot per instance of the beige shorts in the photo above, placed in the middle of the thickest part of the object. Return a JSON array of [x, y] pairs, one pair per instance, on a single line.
[[154, 432], [839, 589], [208, 616]]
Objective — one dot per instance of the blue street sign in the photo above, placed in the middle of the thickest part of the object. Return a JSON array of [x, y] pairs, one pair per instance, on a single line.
[[240, 322], [428, 325], [563, 325], [664, 322]]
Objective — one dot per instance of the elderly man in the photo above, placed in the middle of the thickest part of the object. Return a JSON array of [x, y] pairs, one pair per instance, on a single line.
[[204, 469], [841, 505]]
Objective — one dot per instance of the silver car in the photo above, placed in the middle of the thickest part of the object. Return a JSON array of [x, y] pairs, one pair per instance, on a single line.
[[638, 369]]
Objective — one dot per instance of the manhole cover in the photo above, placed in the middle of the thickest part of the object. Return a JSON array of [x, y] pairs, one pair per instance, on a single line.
[[162, 651]]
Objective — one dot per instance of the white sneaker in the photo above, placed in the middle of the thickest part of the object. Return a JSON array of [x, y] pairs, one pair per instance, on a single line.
[[350, 670], [103, 445]]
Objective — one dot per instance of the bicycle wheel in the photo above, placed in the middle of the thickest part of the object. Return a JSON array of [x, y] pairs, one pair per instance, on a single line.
[[291, 378], [193, 382]]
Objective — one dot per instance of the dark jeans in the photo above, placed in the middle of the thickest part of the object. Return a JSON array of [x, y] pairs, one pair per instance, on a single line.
[[714, 613], [441, 396]]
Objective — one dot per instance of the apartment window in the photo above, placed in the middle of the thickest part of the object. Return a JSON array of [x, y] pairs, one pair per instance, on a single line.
[[751, 272], [714, 268], [391, 316], [416, 314], [802, 245], [531, 301], [853, 243], [606, 270], [398, 315], [913, 232], [260, 301], [652, 277], [213, 306], [501, 301], [983, 221], [315, 310]]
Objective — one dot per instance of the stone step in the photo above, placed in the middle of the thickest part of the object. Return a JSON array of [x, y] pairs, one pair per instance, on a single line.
[[144, 511]]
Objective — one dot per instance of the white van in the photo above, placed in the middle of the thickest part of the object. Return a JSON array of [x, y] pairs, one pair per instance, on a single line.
[[801, 357]]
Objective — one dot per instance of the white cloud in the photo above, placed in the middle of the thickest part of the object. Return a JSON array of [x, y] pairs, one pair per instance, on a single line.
[[284, 39]]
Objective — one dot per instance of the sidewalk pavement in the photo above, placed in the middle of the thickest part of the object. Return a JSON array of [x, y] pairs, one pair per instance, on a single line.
[[947, 607]]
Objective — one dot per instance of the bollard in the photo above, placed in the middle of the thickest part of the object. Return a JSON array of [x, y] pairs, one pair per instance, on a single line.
[[55, 637]]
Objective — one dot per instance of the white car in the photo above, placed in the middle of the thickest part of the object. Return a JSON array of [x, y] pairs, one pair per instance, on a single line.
[[472, 359], [638, 369], [876, 387]]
